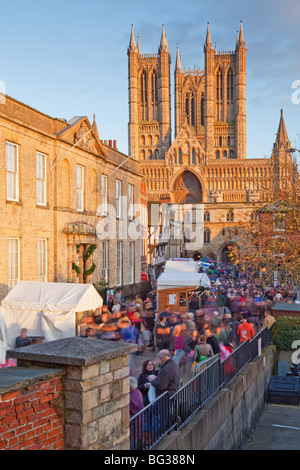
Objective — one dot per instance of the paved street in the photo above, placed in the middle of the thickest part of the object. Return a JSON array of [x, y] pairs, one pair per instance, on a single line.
[[277, 429]]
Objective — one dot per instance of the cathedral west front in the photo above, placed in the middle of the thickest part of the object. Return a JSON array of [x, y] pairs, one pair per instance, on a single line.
[[206, 162]]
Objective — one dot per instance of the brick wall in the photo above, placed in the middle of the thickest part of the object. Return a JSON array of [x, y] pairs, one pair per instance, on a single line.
[[31, 417], [92, 407]]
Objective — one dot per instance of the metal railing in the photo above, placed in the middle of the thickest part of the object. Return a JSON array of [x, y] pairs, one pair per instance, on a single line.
[[156, 420]]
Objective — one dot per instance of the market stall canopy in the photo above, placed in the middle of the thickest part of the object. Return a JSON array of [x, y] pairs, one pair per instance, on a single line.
[[46, 309], [180, 274], [206, 260]]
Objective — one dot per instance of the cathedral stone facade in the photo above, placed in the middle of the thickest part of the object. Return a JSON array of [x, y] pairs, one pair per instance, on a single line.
[[206, 162]]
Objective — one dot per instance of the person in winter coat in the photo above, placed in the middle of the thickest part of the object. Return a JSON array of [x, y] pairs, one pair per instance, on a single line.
[[148, 369], [162, 333], [212, 340], [168, 378], [136, 404]]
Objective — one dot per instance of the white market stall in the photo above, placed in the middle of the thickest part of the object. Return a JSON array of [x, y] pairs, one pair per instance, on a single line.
[[181, 274], [178, 282], [46, 309]]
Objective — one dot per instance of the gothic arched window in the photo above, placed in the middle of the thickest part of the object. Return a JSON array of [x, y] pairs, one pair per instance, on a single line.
[[219, 85], [193, 111], [206, 239], [154, 94], [187, 108], [190, 108], [144, 94], [206, 216], [230, 85], [202, 110], [193, 157], [154, 87], [180, 157], [219, 96], [230, 216]]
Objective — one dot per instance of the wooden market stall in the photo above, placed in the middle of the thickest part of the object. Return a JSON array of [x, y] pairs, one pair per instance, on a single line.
[[176, 298]]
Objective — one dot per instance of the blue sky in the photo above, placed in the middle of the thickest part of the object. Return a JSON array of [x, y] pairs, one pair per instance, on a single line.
[[68, 58]]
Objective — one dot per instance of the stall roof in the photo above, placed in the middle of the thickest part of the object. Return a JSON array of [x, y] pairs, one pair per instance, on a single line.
[[181, 274], [46, 309], [287, 307], [31, 295]]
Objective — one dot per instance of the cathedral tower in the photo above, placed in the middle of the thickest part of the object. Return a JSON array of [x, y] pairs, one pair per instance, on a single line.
[[149, 128], [240, 95]]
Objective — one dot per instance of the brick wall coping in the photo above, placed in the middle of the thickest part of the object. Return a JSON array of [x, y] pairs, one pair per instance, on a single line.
[[74, 351], [14, 378]]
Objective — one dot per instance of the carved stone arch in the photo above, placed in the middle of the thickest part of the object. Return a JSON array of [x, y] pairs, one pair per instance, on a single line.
[[224, 250], [218, 67]]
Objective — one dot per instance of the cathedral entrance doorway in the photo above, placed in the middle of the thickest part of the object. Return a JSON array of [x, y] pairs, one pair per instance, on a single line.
[[226, 253], [188, 189]]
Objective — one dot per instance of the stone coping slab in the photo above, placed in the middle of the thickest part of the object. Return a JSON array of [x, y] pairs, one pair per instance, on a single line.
[[74, 351], [12, 378]]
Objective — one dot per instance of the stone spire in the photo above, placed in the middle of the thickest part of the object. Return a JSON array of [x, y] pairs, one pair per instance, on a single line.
[[163, 42], [95, 128], [242, 42], [132, 46], [208, 43], [237, 39], [138, 46], [282, 135], [178, 67]]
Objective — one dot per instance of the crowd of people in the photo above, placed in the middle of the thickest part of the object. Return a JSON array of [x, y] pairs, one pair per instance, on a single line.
[[216, 321]]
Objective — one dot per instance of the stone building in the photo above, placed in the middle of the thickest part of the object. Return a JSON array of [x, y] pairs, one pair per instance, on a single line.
[[65, 202], [206, 162]]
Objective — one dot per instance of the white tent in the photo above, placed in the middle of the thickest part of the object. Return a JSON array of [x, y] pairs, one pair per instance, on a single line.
[[45, 308], [182, 274]]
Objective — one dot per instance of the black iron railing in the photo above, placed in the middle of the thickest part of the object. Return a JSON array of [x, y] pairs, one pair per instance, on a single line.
[[150, 425]]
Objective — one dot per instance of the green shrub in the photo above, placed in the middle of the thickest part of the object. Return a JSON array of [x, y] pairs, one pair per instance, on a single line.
[[286, 330]]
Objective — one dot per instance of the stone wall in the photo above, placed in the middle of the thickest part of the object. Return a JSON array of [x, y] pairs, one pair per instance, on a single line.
[[57, 220], [95, 389]]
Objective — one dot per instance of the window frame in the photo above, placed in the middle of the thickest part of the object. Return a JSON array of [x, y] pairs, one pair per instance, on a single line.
[[119, 264], [44, 261], [104, 261], [12, 281], [130, 201], [80, 189], [118, 199], [43, 180], [103, 195], [12, 172], [131, 262]]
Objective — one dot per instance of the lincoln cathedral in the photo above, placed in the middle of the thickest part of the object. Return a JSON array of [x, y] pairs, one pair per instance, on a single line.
[[206, 161]]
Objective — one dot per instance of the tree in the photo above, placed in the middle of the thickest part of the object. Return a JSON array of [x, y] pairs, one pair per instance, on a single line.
[[270, 243]]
